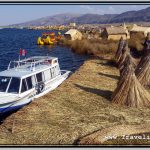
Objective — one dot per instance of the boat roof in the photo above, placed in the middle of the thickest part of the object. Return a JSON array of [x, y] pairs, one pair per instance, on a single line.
[[41, 63]]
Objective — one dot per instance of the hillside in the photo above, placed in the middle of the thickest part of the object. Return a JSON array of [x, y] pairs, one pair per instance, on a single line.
[[133, 16], [93, 18], [59, 19], [50, 20]]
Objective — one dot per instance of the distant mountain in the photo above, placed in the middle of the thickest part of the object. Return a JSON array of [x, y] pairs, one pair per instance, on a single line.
[[133, 16], [129, 16], [93, 18], [50, 20]]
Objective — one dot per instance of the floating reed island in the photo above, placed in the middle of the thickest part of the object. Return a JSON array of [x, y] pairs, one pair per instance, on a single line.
[[97, 100], [130, 92]]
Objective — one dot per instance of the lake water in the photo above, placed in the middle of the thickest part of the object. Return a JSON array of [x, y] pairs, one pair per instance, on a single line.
[[11, 40]]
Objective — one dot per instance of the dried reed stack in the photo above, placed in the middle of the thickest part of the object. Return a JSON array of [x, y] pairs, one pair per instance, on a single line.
[[147, 44], [143, 70], [129, 91], [121, 46], [127, 62], [125, 52]]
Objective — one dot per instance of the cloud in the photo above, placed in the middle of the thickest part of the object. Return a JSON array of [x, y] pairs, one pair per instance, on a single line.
[[92, 9], [138, 7], [111, 9], [133, 6], [86, 7]]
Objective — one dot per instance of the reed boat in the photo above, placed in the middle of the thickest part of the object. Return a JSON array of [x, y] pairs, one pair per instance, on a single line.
[[49, 38]]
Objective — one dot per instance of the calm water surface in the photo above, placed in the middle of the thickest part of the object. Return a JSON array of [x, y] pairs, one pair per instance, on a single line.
[[11, 40]]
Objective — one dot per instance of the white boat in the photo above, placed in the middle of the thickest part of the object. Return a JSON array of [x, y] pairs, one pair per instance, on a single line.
[[27, 79]]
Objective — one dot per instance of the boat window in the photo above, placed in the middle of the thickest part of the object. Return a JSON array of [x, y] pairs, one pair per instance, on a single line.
[[33, 80], [47, 75], [14, 85], [39, 77], [50, 70], [24, 86], [57, 70], [13, 65], [4, 81], [53, 72], [29, 83], [55, 61]]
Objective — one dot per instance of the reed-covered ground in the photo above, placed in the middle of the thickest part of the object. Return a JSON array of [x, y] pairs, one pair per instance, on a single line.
[[103, 46], [92, 47], [80, 106]]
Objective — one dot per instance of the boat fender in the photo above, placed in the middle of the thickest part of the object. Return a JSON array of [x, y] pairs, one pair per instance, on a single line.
[[40, 87]]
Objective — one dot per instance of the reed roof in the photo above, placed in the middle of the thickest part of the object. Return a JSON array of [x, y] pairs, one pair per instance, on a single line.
[[115, 30]]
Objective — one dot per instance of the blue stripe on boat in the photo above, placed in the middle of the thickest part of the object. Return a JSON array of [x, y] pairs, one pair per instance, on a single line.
[[11, 108]]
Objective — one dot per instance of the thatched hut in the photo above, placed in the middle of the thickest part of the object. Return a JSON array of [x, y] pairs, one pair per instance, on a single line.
[[130, 92], [139, 29], [73, 34], [114, 33], [126, 29]]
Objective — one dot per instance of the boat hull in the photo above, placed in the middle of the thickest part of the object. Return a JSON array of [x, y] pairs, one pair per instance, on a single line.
[[46, 41], [54, 84], [12, 108], [32, 96], [16, 104]]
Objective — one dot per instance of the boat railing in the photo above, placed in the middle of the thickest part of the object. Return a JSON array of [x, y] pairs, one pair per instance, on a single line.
[[29, 63]]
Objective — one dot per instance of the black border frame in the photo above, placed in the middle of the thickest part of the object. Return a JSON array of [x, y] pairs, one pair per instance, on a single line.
[[53, 2], [78, 2]]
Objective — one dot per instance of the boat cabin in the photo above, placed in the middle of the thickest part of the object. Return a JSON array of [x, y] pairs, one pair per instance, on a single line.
[[25, 75]]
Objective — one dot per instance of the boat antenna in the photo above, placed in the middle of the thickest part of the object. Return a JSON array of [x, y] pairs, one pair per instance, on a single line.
[[19, 55]]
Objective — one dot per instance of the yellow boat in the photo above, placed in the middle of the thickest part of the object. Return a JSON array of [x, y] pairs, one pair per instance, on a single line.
[[48, 38], [44, 40], [39, 41]]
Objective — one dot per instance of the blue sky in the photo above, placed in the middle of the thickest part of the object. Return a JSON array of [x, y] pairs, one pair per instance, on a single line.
[[11, 14]]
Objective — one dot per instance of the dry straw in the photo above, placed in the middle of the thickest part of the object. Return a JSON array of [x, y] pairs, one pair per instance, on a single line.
[[143, 69], [129, 91]]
